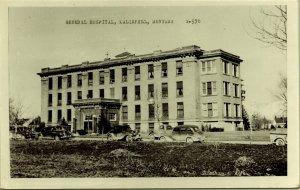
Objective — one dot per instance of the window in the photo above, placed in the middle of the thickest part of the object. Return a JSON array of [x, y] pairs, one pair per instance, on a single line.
[[209, 88], [151, 127], [90, 94], [49, 99], [210, 109], [236, 90], [124, 93], [90, 78], [79, 95], [225, 67], [164, 69], [180, 110], [137, 112], [112, 117], [165, 109], [227, 110], [179, 70], [124, 74], [69, 81], [69, 114], [137, 92], [111, 76], [112, 92], [101, 93], [235, 70], [137, 74], [208, 66], [101, 77], [69, 98], [59, 97], [59, 116], [150, 71], [179, 123], [236, 110], [150, 91], [49, 116], [79, 79], [50, 83], [138, 127], [226, 88], [179, 89], [59, 82], [164, 90], [124, 112], [151, 111]]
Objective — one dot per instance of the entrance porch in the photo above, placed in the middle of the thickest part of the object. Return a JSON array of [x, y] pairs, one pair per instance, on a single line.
[[96, 115]]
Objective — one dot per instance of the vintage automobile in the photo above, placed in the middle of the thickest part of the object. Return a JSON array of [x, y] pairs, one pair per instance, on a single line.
[[163, 132], [122, 133], [24, 132], [56, 132], [185, 133], [31, 134], [279, 137]]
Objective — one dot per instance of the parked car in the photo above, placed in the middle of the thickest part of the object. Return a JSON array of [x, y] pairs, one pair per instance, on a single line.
[[279, 137], [122, 133], [31, 134], [186, 133], [56, 132], [163, 131], [25, 132]]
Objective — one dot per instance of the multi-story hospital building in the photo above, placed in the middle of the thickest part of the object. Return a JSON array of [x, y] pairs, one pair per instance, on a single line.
[[181, 86]]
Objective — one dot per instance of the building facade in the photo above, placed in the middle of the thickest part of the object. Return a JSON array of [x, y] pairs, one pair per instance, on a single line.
[[182, 86]]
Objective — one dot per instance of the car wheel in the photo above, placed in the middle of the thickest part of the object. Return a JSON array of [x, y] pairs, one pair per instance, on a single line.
[[280, 142], [163, 139], [56, 138], [128, 138], [152, 137], [109, 138], [189, 140]]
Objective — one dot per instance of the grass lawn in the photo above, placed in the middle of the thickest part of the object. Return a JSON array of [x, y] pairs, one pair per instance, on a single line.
[[238, 136], [49, 158]]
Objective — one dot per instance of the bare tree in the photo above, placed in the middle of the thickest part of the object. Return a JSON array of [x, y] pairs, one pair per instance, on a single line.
[[157, 107], [281, 94], [155, 101], [15, 111], [270, 26]]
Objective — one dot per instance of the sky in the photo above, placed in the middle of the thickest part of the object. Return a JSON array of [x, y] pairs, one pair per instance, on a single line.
[[40, 37]]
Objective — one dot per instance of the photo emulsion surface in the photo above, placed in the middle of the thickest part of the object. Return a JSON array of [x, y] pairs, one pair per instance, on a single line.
[[182, 91]]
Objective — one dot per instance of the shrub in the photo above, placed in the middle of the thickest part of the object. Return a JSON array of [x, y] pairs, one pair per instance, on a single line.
[[243, 165]]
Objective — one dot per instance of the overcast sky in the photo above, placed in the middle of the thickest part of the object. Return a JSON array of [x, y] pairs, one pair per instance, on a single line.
[[40, 37]]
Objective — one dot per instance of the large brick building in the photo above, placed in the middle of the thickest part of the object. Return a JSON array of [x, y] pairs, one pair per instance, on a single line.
[[182, 86]]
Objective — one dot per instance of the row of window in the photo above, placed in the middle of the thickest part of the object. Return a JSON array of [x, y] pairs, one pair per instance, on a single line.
[[210, 88], [137, 93], [154, 111], [59, 115], [211, 110], [209, 66], [137, 75], [231, 69]]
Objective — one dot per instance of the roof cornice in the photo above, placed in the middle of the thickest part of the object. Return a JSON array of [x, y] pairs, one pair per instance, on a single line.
[[132, 59]]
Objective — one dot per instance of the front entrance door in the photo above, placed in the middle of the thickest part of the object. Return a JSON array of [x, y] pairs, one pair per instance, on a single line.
[[88, 126]]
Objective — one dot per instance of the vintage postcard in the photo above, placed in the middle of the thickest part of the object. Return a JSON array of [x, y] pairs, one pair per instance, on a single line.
[[149, 95]]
